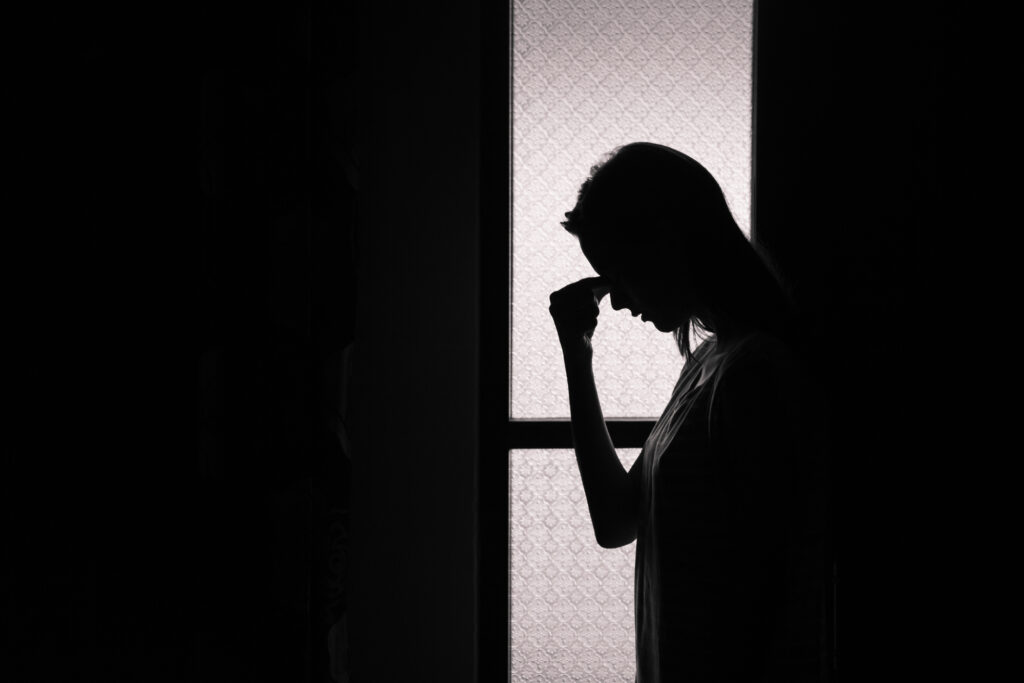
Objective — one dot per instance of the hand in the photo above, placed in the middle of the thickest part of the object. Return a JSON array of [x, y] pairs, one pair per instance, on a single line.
[[574, 309]]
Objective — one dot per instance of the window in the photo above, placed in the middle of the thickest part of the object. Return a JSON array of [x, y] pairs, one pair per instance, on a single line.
[[585, 77]]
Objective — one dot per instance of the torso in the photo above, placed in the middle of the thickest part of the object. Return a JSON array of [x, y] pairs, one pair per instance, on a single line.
[[685, 562], [676, 466]]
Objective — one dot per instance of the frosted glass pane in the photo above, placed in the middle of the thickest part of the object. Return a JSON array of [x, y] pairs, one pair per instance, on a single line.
[[589, 76], [571, 600]]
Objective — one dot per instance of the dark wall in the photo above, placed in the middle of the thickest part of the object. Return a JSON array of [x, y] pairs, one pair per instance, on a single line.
[[414, 397], [180, 494], [871, 185]]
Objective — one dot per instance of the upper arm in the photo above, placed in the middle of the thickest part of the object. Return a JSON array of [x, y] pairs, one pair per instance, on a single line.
[[628, 513], [753, 435]]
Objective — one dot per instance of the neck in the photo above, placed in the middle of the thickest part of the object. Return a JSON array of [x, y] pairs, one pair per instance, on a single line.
[[725, 332]]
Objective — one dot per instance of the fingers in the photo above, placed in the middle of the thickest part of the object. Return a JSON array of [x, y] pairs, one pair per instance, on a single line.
[[595, 284], [596, 287], [587, 310], [575, 309]]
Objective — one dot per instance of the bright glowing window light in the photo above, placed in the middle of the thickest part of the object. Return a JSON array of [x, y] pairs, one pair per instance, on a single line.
[[572, 601], [589, 76]]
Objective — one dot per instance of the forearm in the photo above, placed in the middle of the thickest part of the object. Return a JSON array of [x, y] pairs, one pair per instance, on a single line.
[[605, 480]]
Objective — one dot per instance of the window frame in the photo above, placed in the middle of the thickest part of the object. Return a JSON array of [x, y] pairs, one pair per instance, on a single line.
[[499, 432]]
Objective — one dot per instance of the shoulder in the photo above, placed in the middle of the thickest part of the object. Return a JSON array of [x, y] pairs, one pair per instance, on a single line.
[[764, 377], [759, 353], [761, 368]]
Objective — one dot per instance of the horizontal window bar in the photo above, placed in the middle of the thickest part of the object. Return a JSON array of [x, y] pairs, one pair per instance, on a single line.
[[625, 433]]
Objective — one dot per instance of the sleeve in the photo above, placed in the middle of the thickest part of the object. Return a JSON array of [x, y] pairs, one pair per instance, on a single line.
[[745, 618], [752, 438]]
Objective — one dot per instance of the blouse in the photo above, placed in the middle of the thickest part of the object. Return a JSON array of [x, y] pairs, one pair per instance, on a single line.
[[730, 563]]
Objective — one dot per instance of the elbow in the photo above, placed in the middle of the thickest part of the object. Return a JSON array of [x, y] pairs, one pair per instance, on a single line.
[[617, 538], [615, 527]]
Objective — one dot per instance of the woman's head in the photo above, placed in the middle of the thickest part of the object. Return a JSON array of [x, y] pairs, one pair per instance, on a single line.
[[656, 225]]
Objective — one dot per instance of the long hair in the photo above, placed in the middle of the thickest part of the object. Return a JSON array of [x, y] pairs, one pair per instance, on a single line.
[[643, 194]]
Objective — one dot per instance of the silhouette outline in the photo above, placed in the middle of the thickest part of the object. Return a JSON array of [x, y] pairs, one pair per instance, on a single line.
[[727, 499]]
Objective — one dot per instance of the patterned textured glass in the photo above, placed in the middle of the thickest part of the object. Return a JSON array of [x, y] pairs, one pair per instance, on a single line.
[[588, 76], [572, 600]]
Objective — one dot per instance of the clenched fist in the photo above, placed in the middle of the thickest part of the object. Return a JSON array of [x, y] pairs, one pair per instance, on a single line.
[[574, 308]]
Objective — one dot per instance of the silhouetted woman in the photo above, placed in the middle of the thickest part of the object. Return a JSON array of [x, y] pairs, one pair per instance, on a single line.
[[726, 500]]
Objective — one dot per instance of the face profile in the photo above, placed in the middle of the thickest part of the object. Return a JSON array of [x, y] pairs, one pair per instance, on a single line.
[[641, 280], [624, 275]]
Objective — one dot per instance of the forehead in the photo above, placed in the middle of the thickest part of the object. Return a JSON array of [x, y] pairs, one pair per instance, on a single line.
[[597, 251], [608, 256]]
